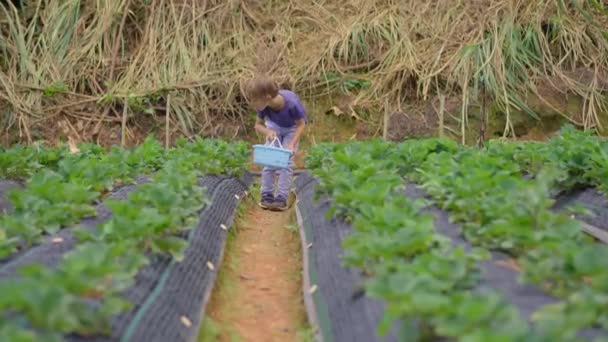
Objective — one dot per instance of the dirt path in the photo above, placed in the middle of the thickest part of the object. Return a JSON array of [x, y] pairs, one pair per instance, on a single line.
[[258, 293]]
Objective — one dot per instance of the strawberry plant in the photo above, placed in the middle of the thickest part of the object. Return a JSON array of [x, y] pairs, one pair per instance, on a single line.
[[213, 156], [57, 302], [102, 171], [82, 293], [415, 270], [581, 156], [45, 205], [21, 162], [55, 199], [155, 213], [499, 208]]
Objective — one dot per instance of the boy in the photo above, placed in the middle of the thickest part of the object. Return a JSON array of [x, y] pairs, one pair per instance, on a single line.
[[281, 115]]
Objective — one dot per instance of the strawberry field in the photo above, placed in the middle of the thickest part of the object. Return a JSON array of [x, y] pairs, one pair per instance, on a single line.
[[423, 240], [118, 244], [442, 241]]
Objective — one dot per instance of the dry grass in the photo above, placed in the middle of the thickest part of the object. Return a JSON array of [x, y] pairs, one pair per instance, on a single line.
[[82, 60]]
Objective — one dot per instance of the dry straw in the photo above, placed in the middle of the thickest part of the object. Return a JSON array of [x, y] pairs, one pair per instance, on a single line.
[[82, 59]]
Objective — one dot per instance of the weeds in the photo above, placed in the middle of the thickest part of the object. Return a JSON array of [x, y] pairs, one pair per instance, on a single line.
[[400, 51]]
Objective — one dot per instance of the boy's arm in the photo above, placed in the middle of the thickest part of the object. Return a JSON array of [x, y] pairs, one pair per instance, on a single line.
[[300, 125], [300, 116], [262, 129]]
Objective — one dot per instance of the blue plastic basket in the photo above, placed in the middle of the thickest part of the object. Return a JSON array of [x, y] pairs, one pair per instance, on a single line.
[[271, 156]]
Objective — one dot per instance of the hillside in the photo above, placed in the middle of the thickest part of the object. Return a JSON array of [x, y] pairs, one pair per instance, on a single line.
[[112, 70]]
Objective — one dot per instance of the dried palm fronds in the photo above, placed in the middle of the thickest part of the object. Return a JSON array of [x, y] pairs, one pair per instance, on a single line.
[[83, 58]]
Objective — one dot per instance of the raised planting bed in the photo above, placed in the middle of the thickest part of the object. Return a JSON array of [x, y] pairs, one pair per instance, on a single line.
[[595, 220], [5, 187], [334, 296], [458, 282], [138, 264], [500, 272], [170, 296], [52, 248]]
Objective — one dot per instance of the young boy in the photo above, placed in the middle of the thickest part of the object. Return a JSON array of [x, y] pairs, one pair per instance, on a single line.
[[280, 115]]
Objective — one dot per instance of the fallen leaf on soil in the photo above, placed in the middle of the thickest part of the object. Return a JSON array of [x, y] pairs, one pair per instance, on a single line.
[[312, 289], [510, 264], [245, 277], [339, 112], [186, 321], [72, 145], [336, 111], [93, 294]]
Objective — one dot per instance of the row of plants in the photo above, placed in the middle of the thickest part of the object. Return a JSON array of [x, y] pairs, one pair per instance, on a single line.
[[89, 163], [92, 165], [21, 161], [581, 155], [429, 284], [500, 209], [63, 187], [82, 293]]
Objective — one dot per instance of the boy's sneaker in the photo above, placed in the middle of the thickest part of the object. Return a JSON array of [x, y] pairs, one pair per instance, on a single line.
[[267, 201], [280, 204]]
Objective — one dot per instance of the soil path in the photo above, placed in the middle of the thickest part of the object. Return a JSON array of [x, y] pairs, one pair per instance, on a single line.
[[258, 293]]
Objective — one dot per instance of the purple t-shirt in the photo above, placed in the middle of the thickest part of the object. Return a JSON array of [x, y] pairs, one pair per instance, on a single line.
[[292, 111]]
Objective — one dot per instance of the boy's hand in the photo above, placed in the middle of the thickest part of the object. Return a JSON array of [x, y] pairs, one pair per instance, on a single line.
[[271, 135], [291, 146]]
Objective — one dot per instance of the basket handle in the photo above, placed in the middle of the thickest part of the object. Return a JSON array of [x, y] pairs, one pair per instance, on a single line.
[[271, 143]]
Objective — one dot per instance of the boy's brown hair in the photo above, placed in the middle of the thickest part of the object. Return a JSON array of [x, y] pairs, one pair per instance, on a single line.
[[260, 87]]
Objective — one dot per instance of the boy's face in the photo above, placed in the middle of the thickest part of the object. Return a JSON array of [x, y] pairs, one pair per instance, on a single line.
[[260, 103]]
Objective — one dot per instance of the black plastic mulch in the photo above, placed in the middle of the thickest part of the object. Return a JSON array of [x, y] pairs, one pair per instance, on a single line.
[[496, 275], [168, 297], [49, 253], [337, 310], [592, 200], [5, 187], [526, 298], [173, 307]]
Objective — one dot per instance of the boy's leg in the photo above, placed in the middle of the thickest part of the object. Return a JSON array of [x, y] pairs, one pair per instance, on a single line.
[[267, 188], [285, 175], [268, 177]]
